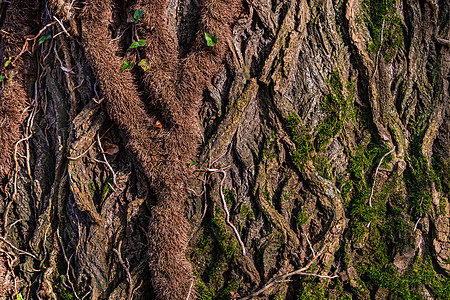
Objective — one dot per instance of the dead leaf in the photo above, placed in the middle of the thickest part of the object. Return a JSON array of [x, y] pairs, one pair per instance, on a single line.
[[158, 125], [110, 148]]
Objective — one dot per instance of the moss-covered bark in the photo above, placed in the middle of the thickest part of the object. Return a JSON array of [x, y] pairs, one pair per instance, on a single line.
[[323, 169]]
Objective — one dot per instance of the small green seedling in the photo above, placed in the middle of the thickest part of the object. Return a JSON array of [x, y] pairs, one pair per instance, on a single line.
[[138, 14], [144, 65], [140, 43], [193, 163], [8, 61], [211, 40], [19, 297], [126, 65], [44, 38]]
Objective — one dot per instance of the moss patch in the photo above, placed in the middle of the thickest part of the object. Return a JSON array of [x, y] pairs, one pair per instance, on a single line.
[[385, 26]]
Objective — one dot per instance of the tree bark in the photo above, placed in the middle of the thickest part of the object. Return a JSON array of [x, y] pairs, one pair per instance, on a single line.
[[305, 155]]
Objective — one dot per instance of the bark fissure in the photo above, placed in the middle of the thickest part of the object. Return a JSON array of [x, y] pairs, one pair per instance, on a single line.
[[330, 120]]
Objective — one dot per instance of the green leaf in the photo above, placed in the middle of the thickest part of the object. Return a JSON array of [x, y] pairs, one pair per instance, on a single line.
[[144, 65], [8, 61], [193, 163], [140, 43], [138, 14], [44, 38], [19, 297], [2, 77], [211, 40], [126, 65]]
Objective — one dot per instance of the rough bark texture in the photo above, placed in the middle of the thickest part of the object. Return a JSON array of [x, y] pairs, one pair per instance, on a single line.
[[305, 155]]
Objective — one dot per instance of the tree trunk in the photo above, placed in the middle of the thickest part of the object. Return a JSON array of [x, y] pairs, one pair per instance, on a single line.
[[225, 149]]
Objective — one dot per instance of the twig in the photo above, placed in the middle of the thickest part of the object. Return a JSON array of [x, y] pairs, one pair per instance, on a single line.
[[195, 193], [98, 101], [417, 223], [227, 219], [17, 249], [310, 246], [300, 271], [62, 26], [375, 176], [130, 282], [14, 223], [106, 160], [68, 263], [225, 208], [82, 154], [190, 289], [17, 163], [31, 39]]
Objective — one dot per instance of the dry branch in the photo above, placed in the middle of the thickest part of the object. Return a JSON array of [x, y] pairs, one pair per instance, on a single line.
[[127, 270], [300, 271], [224, 204]]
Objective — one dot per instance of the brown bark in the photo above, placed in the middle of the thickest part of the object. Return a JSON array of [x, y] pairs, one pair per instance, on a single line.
[[304, 155]]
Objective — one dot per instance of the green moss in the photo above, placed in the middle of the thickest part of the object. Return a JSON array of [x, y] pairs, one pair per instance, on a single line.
[[100, 191], [362, 163], [418, 179], [204, 292], [409, 285], [214, 252], [385, 26], [442, 206], [346, 188], [247, 212], [62, 291], [322, 166], [202, 247], [225, 239], [312, 290], [229, 196], [335, 107], [441, 165], [302, 139], [93, 187], [302, 218], [106, 187], [271, 150]]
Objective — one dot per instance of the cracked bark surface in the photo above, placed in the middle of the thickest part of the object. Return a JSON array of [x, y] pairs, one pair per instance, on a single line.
[[296, 105]]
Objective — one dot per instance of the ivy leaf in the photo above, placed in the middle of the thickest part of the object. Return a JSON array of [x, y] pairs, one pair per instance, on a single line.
[[211, 40], [140, 43], [126, 65], [2, 77], [193, 163], [44, 38], [8, 61], [144, 65], [138, 14]]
